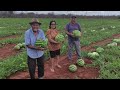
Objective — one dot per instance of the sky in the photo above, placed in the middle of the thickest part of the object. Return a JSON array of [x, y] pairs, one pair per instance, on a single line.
[[90, 13]]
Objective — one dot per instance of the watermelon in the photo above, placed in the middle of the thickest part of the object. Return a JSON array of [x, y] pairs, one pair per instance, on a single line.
[[17, 47], [14, 33], [116, 40], [93, 55], [72, 68], [42, 43], [59, 38], [23, 44], [20, 45], [80, 62], [99, 50], [76, 33], [112, 44]]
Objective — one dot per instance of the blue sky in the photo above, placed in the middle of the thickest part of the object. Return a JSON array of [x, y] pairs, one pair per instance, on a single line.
[[77, 12]]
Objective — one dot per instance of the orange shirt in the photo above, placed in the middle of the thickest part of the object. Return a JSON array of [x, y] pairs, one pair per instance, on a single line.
[[52, 33]]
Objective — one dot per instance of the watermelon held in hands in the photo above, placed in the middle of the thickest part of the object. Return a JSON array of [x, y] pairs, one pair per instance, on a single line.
[[42, 43], [80, 62], [59, 38], [72, 68], [76, 33]]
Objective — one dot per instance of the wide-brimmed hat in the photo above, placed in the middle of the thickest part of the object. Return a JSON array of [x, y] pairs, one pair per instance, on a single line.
[[34, 20]]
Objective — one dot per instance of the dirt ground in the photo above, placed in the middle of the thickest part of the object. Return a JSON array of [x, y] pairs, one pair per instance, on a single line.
[[63, 73]]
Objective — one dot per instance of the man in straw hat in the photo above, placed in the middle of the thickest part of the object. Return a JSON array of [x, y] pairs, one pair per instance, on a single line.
[[35, 54]]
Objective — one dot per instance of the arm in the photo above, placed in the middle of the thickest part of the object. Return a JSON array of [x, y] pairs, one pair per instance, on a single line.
[[68, 33], [43, 35], [27, 42], [66, 30], [51, 40], [79, 27], [49, 37], [34, 47]]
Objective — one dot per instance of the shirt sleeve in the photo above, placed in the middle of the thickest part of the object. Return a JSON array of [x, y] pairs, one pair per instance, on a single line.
[[48, 34], [27, 38], [43, 35], [67, 27]]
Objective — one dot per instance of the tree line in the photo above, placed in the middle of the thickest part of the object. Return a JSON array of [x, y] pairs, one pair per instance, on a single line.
[[12, 14]]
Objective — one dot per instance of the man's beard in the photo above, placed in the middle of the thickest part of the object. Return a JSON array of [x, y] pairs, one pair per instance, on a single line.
[[34, 30]]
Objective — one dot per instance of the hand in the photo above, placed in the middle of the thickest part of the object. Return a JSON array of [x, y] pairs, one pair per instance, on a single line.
[[71, 34], [40, 48], [57, 42], [37, 47]]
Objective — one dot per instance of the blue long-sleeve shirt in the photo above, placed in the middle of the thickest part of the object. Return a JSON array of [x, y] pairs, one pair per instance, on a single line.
[[30, 39]]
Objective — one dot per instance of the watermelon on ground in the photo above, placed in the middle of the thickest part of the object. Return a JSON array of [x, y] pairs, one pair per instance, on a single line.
[[80, 62], [72, 68], [17, 47]]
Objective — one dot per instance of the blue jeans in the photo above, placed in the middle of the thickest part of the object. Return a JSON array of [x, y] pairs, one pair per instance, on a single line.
[[76, 44]]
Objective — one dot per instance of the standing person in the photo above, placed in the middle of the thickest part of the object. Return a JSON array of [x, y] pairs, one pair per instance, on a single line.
[[35, 54], [72, 41], [54, 47]]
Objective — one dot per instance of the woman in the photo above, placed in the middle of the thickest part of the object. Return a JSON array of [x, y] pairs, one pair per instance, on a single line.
[[54, 46], [35, 54]]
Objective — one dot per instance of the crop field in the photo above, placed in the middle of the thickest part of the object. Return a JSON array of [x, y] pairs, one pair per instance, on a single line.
[[95, 33]]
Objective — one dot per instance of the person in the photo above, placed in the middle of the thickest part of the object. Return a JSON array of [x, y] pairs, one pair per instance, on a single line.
[[54, 46], [35, 53], [73, 41]]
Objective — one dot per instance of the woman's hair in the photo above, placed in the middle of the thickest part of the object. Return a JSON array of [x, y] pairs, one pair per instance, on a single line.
[[51, 23]]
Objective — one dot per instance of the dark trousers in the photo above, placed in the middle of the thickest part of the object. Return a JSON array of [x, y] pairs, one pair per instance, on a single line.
[[32, 66]]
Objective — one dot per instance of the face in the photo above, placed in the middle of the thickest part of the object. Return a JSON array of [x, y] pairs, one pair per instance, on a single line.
[[35, 27], [53, 25], [73, 20]]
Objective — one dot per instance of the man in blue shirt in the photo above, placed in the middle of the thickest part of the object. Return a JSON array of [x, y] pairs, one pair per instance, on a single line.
[[72, 41], [35, 54]]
